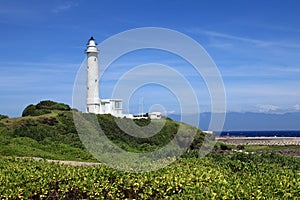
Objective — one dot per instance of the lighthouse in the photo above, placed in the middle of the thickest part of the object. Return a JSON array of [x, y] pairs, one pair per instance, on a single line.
[[93, 101]]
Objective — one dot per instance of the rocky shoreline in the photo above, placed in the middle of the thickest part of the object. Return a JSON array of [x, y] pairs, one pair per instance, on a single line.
[[263, 141]]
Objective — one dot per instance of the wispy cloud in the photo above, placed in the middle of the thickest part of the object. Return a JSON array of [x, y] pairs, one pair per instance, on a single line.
[[274, 109], [256, 42], [296, 107], [10, 13], [288, 69], [64, 7], [37, 67], [282, 28], [265, 71], [233, 37], [10, 10], [267, 108], [21, 76]]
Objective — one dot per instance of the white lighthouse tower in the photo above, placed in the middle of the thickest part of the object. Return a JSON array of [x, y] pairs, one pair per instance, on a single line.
[[92, 101]]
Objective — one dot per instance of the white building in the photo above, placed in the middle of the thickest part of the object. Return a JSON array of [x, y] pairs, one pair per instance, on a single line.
[[154, 115], [93, 103], [111, 106]]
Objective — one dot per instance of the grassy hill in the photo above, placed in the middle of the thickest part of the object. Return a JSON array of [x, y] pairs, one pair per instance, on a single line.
[[47, 130]]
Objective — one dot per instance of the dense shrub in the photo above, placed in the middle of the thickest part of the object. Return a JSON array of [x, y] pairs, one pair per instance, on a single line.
[[225, 147], [3, 116], [44, 107], [51, 105], [213, 177], [31, 110]]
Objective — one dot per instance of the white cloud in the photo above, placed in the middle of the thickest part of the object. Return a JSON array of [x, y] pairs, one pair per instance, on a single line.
[[297, 107], [287, 69], [233, 37], [248, 40], [267, 108], [171, 111], [273, 109], [259, 71], [64, 7]]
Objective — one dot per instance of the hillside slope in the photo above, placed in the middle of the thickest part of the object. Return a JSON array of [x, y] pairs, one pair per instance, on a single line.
[[47, 130]]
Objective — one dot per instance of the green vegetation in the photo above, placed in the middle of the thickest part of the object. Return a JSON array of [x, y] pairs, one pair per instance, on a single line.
[[53, 134], [3, 116], [136, 144], [241, 176], [44, 107], [47, 130], [268, 148], [288, 150]]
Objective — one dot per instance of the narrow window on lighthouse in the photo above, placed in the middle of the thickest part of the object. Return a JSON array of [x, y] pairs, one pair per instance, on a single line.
[[95, 59], [95, 80]]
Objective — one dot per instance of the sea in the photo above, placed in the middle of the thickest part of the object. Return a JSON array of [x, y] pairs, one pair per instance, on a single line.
[[279, 133]]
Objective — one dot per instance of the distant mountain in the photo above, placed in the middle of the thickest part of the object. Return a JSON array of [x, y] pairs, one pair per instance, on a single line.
[[250, 121]]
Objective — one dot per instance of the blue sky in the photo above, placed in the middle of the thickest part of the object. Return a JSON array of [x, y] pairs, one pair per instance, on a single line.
[[255, 44]]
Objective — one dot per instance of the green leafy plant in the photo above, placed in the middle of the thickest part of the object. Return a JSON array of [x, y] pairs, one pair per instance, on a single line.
[[257, 177]]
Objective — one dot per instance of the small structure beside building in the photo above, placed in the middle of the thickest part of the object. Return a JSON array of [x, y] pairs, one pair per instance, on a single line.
[[103, 106], [154, 115]]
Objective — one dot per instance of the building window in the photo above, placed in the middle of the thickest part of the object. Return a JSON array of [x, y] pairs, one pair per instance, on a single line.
[[118, 105], [95, 59]]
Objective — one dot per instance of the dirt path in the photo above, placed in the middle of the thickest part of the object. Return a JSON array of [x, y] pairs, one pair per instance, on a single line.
[[65, 162]]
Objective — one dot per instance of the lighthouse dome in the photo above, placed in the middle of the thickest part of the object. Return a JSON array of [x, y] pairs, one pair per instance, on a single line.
[[92, 46]]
